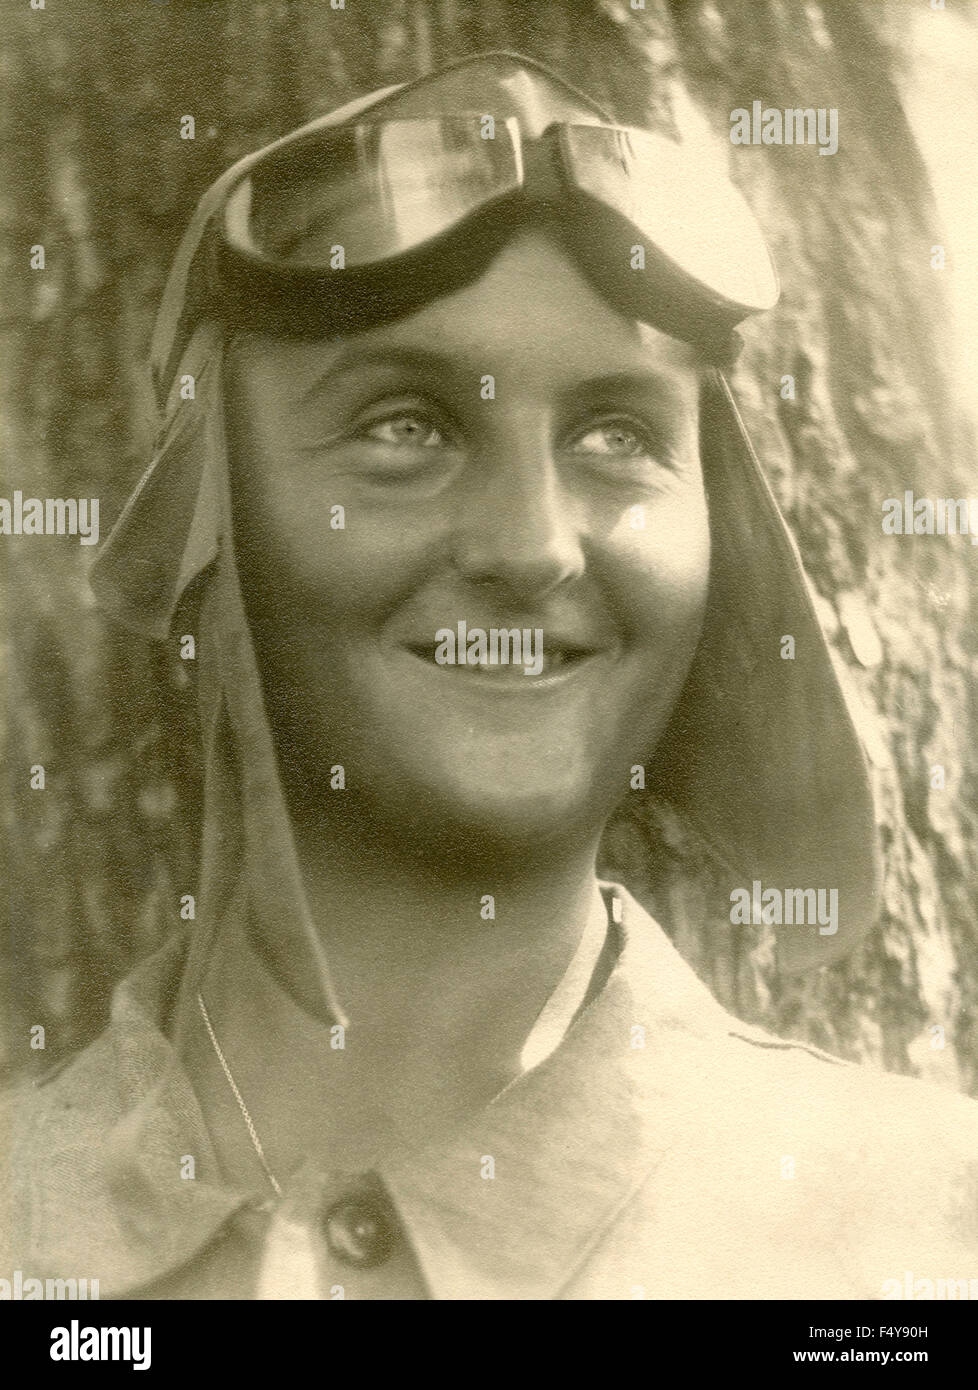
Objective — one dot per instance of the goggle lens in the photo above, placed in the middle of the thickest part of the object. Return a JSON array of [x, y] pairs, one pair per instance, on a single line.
[[680, 204], [377, 190]]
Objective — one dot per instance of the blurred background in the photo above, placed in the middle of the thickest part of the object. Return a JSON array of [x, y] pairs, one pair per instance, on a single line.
[[883, 349]]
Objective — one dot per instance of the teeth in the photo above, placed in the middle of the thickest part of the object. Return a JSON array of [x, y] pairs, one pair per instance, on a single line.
[[549, 662], [545, 664]]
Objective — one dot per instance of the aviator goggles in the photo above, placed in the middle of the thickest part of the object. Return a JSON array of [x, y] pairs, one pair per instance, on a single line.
[[335, 230]]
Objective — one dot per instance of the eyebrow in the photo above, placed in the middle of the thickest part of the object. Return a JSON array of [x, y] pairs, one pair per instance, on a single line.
[[353, 358], [665, 384], [445, 364]]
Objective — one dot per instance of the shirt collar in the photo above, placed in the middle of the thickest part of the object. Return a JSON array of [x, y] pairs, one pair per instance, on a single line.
[[114, 1125], [569, 1141]]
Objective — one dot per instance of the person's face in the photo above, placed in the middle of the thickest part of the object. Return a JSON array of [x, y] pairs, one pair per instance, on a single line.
[[568, 498]]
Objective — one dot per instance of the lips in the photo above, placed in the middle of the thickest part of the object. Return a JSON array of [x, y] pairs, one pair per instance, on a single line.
[[558, 657]]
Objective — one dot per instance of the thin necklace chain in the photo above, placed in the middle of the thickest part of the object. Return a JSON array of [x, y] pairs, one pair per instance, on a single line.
[[238, 1097]]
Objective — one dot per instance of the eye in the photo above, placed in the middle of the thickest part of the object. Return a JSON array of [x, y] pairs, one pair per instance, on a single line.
[[403, 440], [410, 428], [618, 437]]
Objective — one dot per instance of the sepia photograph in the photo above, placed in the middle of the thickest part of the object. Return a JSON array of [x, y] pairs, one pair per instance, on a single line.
[[488, 516]]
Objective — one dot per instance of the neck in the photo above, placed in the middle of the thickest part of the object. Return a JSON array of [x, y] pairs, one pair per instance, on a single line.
[[442, 969], [477, 941]]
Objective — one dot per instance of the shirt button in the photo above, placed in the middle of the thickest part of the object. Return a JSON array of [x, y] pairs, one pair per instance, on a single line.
[[360, 1231]]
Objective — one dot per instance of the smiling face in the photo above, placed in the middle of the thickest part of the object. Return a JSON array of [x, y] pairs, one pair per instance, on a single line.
[[567, 499]]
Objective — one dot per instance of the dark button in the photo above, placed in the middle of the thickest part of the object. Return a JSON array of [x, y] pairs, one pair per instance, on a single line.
[[361, 1231]]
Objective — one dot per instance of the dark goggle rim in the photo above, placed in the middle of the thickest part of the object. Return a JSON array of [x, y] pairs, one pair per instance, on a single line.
[[548, 178]]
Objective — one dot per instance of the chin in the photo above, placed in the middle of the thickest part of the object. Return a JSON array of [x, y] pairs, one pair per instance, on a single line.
[[480, 822]]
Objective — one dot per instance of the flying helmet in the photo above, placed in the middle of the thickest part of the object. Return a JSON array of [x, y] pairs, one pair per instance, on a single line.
[[365, 214]]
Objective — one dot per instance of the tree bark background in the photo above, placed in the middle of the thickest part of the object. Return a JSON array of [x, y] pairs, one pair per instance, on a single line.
[[97, 173]]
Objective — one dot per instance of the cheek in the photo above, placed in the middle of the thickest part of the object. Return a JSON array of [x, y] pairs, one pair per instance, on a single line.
[[661, 552], [311, 555], [330, 572]]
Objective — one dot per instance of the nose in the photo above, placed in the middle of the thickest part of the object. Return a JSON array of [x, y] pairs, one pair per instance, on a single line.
[[517, 525]]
